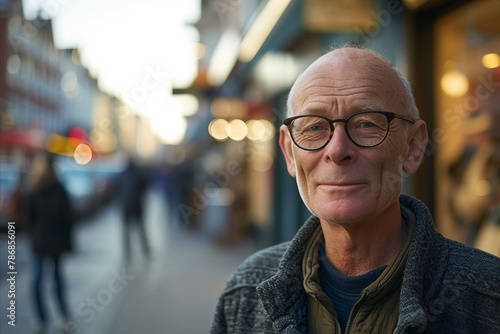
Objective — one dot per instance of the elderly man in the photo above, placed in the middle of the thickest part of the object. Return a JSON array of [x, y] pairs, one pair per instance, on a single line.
[[369, 260]]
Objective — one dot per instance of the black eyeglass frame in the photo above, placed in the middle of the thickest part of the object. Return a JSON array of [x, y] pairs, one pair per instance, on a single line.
[[389, 115]]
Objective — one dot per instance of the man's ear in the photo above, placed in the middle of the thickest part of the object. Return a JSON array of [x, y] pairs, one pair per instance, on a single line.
[[417, 142], [286, 148]]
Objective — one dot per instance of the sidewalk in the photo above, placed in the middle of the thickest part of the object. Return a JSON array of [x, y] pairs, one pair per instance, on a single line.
[[175, 292], [178, 290]]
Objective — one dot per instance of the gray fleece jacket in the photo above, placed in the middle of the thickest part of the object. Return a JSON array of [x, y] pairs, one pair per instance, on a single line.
[[447, 287]]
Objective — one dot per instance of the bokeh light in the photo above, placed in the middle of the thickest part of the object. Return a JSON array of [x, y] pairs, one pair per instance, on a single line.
[[218, 129], [83, 154], [237, 129], [455, 83], [491, 60], [260, 130]]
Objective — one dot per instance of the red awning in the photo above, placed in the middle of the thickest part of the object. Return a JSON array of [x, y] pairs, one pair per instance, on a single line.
[[25, 139]]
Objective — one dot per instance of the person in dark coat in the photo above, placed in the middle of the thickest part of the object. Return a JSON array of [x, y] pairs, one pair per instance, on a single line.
[[132, 186], [49, 221]]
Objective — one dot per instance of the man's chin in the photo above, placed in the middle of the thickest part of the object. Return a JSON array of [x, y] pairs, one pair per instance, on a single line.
[[343, 211]]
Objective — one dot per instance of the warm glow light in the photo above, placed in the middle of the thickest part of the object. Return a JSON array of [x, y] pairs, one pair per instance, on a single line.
[[260, 130], [413, 4], [188, 104], [226, 196], [67, 146], [202, 50], [147, 141], [83, 154], [224, 57], [165, 116], [237, 129], [57, 144], [170, 128], [261, 29], [483, 188], [491, 60], [228, 108], [124, 57], [277, 71], [455, 83], [218, 129], [103, 141]]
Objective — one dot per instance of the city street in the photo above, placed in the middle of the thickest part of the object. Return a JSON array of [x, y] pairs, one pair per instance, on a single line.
[[223, 116], [174, 292]]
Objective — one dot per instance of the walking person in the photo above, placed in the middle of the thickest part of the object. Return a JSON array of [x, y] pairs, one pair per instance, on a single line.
[[49, 219], [369, 259], [132, 186]]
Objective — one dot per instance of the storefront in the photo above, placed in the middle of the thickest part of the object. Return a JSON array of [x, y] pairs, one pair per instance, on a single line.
[[457, 72]]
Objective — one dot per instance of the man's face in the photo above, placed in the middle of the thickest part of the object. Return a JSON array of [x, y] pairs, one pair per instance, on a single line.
[[344, 183]]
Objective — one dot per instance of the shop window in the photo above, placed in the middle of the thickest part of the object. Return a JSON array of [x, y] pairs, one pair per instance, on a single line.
[[467, 124]]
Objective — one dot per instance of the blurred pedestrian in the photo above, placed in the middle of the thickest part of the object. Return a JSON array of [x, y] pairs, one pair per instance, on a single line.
[[49, 219], [132, 186], [183, 183], [165, 183]]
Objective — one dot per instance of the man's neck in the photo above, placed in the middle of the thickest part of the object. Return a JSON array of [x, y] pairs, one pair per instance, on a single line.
[[356, 249]]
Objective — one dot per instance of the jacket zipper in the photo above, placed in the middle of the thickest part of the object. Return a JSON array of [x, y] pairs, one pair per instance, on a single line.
[[354, 310]]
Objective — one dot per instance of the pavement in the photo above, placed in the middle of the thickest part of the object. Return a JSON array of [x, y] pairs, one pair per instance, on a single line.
[[175, 291]]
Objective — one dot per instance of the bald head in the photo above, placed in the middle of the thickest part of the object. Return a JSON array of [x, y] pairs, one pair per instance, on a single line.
[[352, 64]]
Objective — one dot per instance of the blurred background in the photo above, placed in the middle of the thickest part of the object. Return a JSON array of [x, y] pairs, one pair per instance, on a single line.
[[194, 92]]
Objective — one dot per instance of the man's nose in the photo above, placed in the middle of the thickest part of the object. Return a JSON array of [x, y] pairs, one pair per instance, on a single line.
[[338, 148]]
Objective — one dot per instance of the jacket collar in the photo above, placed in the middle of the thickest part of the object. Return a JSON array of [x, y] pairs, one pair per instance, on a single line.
[[284, 298], [420, 284], [283, 295]]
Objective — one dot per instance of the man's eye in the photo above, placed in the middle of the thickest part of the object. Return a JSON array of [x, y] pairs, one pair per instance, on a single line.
[[366, 125], [316, 128]]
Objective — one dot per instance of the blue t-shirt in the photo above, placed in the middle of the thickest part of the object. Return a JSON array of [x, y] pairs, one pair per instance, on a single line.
[[344, 291]]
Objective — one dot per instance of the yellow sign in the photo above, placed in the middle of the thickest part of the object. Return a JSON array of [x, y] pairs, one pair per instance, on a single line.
[[65, 145]]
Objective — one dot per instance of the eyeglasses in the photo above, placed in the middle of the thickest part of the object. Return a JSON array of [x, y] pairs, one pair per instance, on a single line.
[[366, 129]]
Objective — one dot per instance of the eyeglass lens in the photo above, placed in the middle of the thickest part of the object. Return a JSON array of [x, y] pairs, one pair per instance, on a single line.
[[313, 132]]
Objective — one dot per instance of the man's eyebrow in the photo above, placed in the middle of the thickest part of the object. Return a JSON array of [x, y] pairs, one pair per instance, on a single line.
[[313, 110]]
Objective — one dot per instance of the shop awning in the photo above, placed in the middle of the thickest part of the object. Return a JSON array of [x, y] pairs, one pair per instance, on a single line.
[[24, 139]]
